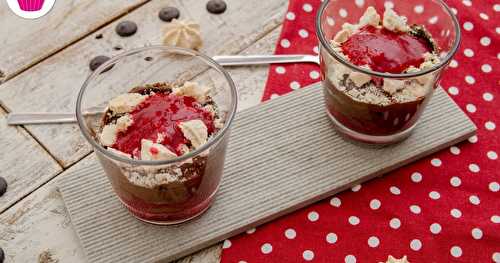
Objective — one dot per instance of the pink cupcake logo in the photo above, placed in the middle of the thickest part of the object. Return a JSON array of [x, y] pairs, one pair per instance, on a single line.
[[30, 9], [31, 5]]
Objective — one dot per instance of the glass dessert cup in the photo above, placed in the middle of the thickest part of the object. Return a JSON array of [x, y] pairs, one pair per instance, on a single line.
[[159, 201], [370, 120]]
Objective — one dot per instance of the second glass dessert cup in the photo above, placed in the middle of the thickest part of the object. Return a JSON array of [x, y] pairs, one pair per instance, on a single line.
[[368, 120], [160, 201]]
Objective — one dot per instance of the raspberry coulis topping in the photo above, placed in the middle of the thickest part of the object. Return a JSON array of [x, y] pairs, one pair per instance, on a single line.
[[384, 50], [161, 113]]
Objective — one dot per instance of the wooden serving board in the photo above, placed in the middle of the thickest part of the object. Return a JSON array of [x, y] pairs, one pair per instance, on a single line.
[[283, 155]]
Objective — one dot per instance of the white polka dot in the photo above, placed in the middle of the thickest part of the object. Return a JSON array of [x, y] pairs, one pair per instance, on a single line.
[[354, 220], [290, 16], [453, 63], [434, 195], [436, 162], [415, 244], [492, 155], [454, 10], [350, 259], [455, 150], [303, 33], [342, 12], [307, 7], [467, 2], [266, 248], [485, 41], [375, 204], [489, 125], [314, 74], [313, 216], [227, 244], [455, 181], [285, 43], [335, 202], [484, 16], [294, 85], [473, 139], [470, 108], [419, 9], [456, 251], [388, 5], [435, 228], [280, 70], [468, 52], [477, 233], [373, 241], [468, 26], [251, 231], [274, 95], [486, 68], [474, 168], [331, 238], [416, 177], [242, 261], [495, 219], [308, 255], [494, 186], [487, 96], [453, 90], [496, 7], [497, 29], [473, 199], [330, 21], [290, 233], [359, 3], [470, 79], [395, 223], [433, 20], [496, 255], [316, 49], [394, 190], [415, 209], [455, 213]]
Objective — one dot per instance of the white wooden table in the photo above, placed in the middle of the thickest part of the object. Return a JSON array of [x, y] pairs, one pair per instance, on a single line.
[[43, 64]]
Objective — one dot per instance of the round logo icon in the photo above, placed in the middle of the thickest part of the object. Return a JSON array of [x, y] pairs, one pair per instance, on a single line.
[[30, 9]]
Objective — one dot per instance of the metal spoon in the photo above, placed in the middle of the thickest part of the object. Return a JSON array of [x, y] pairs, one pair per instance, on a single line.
[[67, 117]]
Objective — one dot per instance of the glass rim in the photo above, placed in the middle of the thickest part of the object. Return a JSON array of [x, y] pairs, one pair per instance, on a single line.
[[325, 43], [215, 139]]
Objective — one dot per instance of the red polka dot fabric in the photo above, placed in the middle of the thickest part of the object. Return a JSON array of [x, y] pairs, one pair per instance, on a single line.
[[444, 208]]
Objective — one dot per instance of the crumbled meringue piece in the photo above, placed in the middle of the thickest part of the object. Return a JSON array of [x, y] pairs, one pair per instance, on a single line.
[[349, 27], [218, 123], [359, 78], [126, 102], [154, 151], [342, 36], [370, 17], [108, 135], [394, 22], [391, 259], [123, 123], [117, 152], [195, 131], [192, 89], [392, 86], [184, 34]]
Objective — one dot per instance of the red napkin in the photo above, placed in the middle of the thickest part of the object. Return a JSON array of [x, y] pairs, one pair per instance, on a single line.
[[444, 208]]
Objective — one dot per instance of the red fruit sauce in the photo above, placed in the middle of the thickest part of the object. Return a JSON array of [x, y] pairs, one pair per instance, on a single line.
[[384, 50], [161, 113]]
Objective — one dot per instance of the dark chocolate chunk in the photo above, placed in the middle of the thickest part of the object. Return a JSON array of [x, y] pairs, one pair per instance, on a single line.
[[216, 6], [148, 59], [169, 13], [99, 36], [126, 28], [118, 47], [3, 188], [2, 255], [97, 61]]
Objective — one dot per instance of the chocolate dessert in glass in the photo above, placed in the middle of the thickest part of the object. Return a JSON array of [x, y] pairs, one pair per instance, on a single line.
[[381, 64], [158, 119]]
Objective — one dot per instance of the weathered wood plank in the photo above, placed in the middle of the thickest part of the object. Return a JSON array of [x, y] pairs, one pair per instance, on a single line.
[[24, 163], [52, 85], [40, 222], [25, 42]]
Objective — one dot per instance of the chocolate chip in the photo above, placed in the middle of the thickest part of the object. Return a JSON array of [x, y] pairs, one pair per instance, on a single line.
[[118, 47], [169, 13], [148, 58], [97, 61], [2, 255], [126, 28], [216, 6], [3, 188], [99, 36]]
